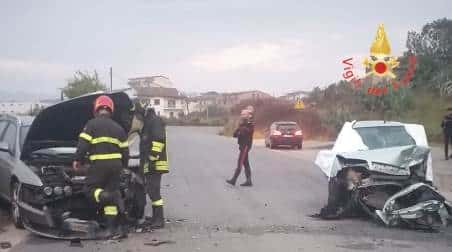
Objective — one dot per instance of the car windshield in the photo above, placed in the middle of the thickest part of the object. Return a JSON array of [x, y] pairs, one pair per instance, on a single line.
[[23, 134], [287, 126], [385, 137]]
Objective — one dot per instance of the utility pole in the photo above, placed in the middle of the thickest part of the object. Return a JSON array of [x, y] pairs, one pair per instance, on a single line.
[[61, 94], [111, 79]]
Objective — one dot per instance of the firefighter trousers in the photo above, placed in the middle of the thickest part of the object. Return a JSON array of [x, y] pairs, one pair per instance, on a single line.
[[102, 186], [153, 184]]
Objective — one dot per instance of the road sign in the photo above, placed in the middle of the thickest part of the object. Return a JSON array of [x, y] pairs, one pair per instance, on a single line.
[[299, 104]]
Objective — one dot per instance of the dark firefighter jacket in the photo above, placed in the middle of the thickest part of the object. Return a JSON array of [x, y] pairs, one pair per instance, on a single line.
[[103, 139], [153, 145], [446, 124], [244, 134]]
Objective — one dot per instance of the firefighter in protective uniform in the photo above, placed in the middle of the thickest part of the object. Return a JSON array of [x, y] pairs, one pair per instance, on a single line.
[[105, 141], [154, 157]]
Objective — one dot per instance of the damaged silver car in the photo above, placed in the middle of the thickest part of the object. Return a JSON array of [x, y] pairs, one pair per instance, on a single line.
[[383, 170], [47, 197]]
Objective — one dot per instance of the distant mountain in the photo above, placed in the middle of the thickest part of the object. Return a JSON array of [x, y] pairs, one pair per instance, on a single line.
[[25, 96]]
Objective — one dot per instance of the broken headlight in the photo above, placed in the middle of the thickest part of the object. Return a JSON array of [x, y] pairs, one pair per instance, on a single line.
[[419, 170], [57, 191], [47, 190]]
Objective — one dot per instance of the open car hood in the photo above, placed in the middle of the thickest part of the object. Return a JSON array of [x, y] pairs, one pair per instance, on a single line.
[[59, 125]]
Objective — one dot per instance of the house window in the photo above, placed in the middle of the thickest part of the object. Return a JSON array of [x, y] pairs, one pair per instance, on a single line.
[[171, 103], [156, 101]]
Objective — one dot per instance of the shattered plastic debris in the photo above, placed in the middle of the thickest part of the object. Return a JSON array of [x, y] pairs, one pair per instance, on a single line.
[[156, 243], [5, 245], [76, 243]]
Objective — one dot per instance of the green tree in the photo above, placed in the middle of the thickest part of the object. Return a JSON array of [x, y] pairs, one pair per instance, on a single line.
[[433, 49], [83, 83]]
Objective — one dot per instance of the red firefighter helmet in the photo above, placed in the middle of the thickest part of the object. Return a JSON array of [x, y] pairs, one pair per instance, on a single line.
[[103, 101]]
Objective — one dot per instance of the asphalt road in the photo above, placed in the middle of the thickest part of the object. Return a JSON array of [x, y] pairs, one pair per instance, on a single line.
[[206, 214]]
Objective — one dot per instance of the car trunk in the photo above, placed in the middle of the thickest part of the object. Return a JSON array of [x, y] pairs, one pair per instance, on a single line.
[[287, 129]]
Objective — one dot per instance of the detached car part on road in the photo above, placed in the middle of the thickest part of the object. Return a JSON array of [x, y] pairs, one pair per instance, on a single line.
[[36, 174], [383, 170]]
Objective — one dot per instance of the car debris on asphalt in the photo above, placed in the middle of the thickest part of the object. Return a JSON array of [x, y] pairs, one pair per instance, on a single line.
[[383, 170], [5, 245], [156, 243]]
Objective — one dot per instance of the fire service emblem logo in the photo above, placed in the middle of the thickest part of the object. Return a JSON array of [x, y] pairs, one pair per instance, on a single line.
[[380, 67]]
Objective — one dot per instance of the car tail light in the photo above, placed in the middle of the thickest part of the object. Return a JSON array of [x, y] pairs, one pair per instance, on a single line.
[[298, 133], [277, 133]]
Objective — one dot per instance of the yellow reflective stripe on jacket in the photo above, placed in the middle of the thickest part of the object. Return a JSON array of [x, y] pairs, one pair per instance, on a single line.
[[161, 165], [97, 194], [98, 140], [157, 146], [85, 136], [124, 144], [146, 167], [111, 140], [105, 156], [158, 202], [110, 210], [152, 158]]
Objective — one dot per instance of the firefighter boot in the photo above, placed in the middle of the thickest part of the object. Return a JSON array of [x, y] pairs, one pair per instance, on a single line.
[[158, 221], [234, 178], [111, 231], [123, 230], [248, 178]]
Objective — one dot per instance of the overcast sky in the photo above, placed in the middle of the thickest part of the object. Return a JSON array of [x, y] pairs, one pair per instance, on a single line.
[[201, 45]]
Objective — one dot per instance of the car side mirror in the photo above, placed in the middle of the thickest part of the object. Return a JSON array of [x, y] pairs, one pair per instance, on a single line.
[[4, 147]]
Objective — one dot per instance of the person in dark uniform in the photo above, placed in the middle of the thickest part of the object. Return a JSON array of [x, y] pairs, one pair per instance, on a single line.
[[446, 124], [154, 158], [105, 141], [244, 135]]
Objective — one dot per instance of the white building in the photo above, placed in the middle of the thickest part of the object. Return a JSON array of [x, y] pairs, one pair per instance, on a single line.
[[294, 96], [19, 108], [225, 100], [166, 100]]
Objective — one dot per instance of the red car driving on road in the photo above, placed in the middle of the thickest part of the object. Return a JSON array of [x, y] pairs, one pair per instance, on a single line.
[[284, 134]]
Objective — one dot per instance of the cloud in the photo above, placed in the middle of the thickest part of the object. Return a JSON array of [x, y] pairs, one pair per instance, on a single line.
[[279, 56], [26, 68]]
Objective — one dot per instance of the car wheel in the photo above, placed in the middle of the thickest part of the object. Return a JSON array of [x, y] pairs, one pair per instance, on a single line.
[[15, 213], [271, 145]]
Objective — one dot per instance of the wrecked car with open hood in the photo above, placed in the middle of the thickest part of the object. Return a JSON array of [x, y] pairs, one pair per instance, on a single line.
[[383, 170], [48, 196]]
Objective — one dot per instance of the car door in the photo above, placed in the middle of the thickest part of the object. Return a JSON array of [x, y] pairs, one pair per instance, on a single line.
[[8, 159]]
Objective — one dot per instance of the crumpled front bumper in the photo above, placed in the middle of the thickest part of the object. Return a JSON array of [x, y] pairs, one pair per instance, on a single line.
[[425, 211], [42, 223]]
